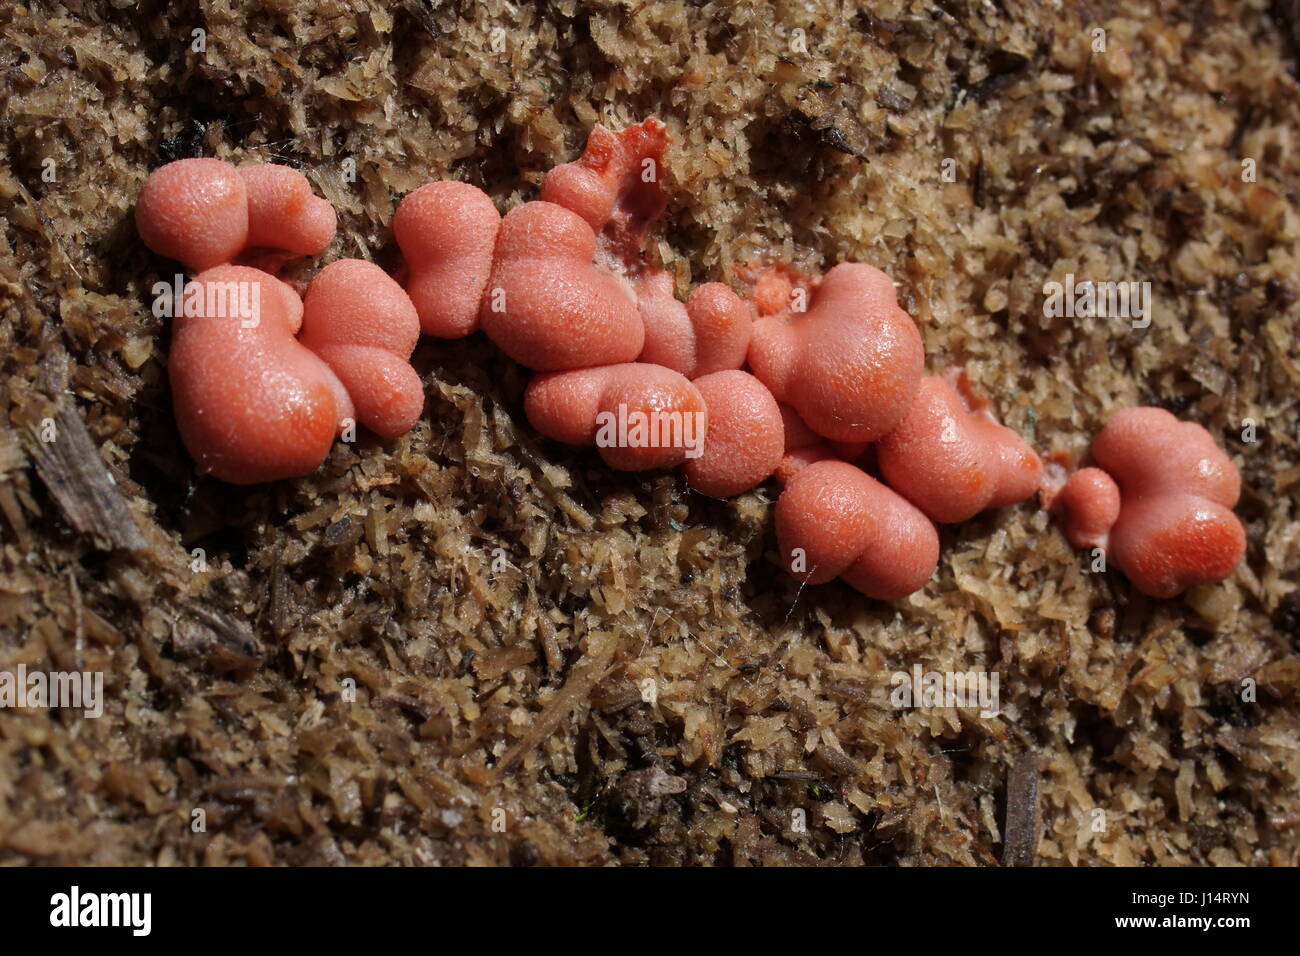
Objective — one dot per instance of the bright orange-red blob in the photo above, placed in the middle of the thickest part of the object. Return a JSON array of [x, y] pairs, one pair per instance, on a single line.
[[1089, 503], [851, 364], [205, 212], [952, 463], [615, 186], [283, 212], [546, 305], [834, 520], [708, 333], [447, 232], [744, 443], [361, 323], [194, 211], [1177, 490], [564, 284], [639, 416], [252, 404]]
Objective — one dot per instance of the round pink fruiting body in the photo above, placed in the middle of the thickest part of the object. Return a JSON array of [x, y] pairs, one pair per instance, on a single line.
[[589, 406], [708, 333], [850, 365], [1177, 489], [1090, 503], [546, 305], [953, 464], [834, 520], [284, 213], [194, 211], [252, 404], [744, 442], [361, 324], [447, 232]]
